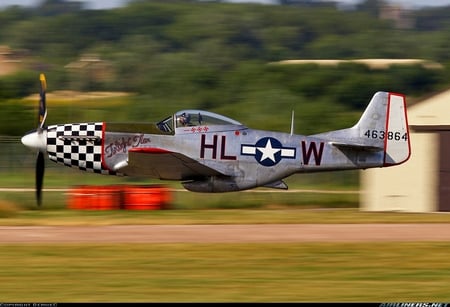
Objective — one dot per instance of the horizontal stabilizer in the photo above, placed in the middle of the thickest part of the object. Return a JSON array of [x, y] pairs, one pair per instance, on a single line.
[[356, 146]]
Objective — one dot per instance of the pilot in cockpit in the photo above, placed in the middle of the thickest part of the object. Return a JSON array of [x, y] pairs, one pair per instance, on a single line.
[[183, 120]]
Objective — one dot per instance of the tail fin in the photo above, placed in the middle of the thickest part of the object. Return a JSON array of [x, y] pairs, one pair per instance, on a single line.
[[383, 127], [384, 124]]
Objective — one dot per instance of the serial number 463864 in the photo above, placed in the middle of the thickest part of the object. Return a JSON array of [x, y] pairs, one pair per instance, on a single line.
[[391, 135]]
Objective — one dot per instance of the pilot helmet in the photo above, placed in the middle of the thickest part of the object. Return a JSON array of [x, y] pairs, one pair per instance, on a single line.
[[182, 119]]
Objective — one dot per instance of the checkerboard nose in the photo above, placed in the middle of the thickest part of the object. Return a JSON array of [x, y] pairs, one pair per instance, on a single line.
[[77, 145]]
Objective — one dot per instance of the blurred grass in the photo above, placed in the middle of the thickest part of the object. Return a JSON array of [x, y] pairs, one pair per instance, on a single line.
[[45, 217], [184, 200], [252, 207], [77, 108], [60, 177], [307, 272]]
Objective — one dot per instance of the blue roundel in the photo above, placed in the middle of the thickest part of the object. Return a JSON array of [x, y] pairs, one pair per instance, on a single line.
[[268, 151]]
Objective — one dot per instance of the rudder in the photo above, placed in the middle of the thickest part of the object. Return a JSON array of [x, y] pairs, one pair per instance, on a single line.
[[397, 148]]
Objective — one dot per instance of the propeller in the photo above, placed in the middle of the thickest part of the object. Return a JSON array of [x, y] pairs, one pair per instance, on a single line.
[[37, 139], [42, 103]]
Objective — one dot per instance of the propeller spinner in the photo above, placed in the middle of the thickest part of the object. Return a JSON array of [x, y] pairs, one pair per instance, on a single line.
[[37, 139]]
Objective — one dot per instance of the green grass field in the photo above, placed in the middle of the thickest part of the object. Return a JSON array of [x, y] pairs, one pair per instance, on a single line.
[[321, 272], [214, 216], [60, 177]]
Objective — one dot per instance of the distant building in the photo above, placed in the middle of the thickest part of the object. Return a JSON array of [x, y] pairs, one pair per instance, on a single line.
[[422, 184], [90, 68], [371, 63], [10, 60], [401, 17]]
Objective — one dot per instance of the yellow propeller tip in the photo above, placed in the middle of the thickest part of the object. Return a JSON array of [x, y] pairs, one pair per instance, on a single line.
[[43, 81]]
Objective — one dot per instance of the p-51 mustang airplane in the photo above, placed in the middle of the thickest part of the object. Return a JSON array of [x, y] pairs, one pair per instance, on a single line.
[[209, 152]]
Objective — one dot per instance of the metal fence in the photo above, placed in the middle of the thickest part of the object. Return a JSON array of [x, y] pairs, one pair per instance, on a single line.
[[13, 155]]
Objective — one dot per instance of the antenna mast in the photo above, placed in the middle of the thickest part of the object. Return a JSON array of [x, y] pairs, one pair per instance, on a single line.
[[292, 123]]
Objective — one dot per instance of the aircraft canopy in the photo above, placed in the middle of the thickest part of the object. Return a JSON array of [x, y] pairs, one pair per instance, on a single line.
[[190, 118]]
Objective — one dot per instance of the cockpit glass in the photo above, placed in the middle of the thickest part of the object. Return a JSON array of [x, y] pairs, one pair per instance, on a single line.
[[192, 118], [202, 118], [166, 124]]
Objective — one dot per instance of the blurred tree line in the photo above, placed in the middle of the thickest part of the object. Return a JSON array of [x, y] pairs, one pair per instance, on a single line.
[[219, 56]]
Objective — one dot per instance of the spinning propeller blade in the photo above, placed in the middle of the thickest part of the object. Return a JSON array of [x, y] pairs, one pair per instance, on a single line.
[[37, 139], [42, 104], [40, 165]]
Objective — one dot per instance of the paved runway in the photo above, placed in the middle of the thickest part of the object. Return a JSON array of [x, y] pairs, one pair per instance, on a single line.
[[259, 233]]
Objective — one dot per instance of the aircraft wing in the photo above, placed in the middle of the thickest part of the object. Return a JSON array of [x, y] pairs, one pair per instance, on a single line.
[[163, 164]]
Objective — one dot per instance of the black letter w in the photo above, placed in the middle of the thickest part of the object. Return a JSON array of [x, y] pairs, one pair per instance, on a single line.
[[312, 149]]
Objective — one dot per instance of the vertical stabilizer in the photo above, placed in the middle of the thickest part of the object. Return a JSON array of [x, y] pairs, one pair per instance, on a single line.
[[384, 124]]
